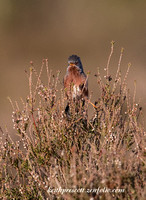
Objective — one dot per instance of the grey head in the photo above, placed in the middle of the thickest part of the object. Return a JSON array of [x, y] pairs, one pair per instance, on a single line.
[[75, 60]]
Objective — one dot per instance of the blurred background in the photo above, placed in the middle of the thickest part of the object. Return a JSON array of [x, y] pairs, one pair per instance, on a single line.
[[54, 29]]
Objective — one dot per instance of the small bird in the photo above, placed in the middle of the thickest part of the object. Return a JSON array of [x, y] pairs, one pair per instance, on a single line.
[[75, 81]]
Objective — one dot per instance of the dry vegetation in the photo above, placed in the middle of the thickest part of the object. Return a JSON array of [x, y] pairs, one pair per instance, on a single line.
[[55, 150]]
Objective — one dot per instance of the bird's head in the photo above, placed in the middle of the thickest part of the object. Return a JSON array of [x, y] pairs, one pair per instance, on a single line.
[[74, 60]]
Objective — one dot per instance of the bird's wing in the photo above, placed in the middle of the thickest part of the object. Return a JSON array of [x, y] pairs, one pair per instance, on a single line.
[[85, 85], [65, 81]]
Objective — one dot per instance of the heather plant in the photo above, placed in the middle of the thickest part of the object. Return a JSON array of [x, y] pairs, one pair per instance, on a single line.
[[74, 156]]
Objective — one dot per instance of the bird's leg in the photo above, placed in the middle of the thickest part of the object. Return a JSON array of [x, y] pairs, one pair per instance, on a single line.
[[67, 109]]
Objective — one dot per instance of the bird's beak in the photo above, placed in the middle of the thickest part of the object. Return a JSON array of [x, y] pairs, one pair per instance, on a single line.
[[71, 64]]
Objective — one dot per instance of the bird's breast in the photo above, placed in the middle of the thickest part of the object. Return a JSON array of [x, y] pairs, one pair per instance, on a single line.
[[74, 71], [76, 91]]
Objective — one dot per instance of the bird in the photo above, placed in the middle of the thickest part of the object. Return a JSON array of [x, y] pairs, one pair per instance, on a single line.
[[75, 81]]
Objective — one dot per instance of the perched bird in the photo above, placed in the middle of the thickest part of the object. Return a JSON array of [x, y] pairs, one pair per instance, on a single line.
[[75, 81]]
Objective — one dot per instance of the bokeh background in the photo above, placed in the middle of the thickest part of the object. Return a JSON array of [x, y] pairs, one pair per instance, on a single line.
[[31, 30]]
